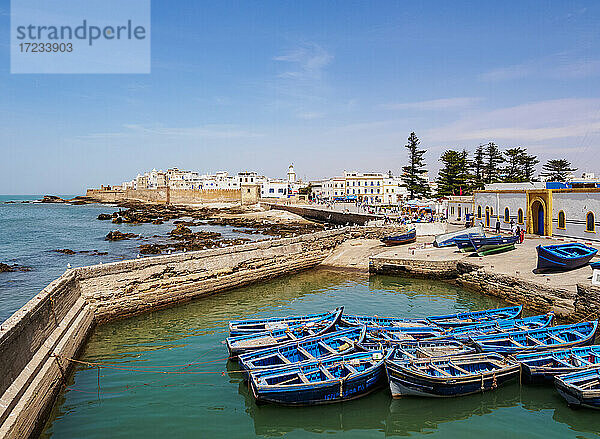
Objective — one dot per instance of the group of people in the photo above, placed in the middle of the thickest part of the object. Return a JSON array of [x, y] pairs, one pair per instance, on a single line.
[[514, 228]]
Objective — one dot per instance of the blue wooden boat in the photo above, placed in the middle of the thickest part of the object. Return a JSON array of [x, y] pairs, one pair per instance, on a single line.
[[500, 326], [563, 257], [449, 376], [580, 389], [494, 244], [542, 367], [557, 337], [250, 326], [262, 340], [447, 239], [314, 348], [472, 317], [595, 265], [429, 349], [354, 320], [405, 238], [326, 381], [393, 334]]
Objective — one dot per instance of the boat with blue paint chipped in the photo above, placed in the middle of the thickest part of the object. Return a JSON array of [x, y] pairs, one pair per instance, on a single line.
[[314, 348], [493, 244], [250, 326], [429, 349], [404, 238], [542, 367], [326, 381], [449, 376], [394, 334], [563, 257], [448, 239], [557, 337], [580, 389], [473, 317], [500, 326], [267, 339]]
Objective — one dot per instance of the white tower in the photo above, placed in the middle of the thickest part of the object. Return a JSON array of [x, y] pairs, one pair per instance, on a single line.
[[291, 174]]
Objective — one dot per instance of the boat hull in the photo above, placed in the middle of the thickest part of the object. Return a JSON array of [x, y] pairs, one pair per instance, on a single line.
[[550, 258], [495, 244], [404, 383], [574, 394], [447, 239], [405, 238]]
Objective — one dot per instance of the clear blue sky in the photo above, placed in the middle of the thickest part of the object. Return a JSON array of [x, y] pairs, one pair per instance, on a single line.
[[327, 85]]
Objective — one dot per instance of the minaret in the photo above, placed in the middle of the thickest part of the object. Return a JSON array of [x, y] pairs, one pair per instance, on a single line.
[[291, 174]]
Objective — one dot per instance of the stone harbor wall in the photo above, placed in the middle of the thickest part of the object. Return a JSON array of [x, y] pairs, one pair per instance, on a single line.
[[172, 196], [55, 324]]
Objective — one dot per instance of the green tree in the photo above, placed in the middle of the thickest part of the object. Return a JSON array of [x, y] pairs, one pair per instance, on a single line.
[[513, 172], [520, 166], [477, 168], [528, 163], [413, 174], [454, 175], [557, 170], [493, 159]]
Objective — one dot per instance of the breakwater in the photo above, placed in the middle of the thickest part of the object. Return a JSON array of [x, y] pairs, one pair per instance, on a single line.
[[55, 324], [327, 216]]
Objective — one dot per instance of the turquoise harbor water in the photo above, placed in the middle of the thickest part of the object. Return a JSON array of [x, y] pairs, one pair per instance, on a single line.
[[211, 401], [29, 232]]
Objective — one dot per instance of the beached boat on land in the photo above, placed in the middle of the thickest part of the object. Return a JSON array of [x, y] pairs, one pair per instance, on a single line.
[[449, 376], [404, 238], [314, 348], [500, 326], [249, 326], [326, 381], [447, 239], [557, 337], [493, 244], [262, 340], [542, 367], [464, 244], [580, 389], [473, 317], [564, 257]]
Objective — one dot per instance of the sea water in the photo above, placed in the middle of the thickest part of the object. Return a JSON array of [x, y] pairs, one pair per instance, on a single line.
[[210, 400], [30, 232]]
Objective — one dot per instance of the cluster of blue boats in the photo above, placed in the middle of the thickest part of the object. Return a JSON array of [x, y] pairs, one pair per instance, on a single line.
[[332, 357]]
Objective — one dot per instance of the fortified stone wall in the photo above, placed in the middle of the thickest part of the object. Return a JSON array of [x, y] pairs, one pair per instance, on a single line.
[[173, 196], [326, 215]]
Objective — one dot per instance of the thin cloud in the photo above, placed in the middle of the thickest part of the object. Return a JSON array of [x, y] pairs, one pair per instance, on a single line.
[[559, 66], [308, 62], [434, 104], [205, 131]]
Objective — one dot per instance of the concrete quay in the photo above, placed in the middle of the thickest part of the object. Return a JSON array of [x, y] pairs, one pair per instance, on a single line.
[[510, 275]]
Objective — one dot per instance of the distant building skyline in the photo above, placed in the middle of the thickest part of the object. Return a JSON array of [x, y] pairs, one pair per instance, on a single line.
[[327, 86]]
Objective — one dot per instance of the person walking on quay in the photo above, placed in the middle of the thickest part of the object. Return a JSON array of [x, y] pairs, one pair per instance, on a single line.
[[522, 236], [518, 233], [497, 226]]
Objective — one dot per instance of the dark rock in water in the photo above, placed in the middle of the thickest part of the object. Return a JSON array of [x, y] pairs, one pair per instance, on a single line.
[[117, 220], [181, 231], [104, 216], [115, 235], [66, 251], [52, 199], [14, 267], [157, 221], [152, 249], [4, 268]]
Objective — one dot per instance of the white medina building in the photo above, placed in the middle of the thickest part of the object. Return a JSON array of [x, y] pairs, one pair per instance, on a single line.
[[458, 207], [333, 188], [272, 188], [179, 179], [546, 209], [364, 186], [393, 190], [219, 180]]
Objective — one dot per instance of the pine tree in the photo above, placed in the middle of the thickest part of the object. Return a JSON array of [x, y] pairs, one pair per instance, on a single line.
[[478, 168], [493, 159], [557, 170], [528, 164], [514, 172], [453, 177], [412, 176]]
